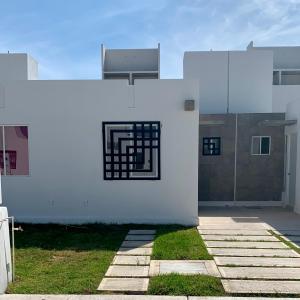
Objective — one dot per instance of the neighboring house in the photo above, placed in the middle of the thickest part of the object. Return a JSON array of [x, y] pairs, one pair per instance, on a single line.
[[243, 101], [134, 148]]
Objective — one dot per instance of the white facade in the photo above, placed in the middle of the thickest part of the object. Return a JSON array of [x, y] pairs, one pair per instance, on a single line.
[[66, 184], [130, 64], [64, 119], [17, 66], [231, 81], [293, 155]]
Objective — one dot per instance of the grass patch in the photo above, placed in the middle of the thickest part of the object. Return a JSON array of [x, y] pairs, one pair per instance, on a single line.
[[177, 242], [54, 259], [192, 285]]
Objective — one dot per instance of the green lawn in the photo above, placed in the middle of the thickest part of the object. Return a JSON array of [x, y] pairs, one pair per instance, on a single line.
[[192, 285], [178, 242], [64, 259], [60, 259]]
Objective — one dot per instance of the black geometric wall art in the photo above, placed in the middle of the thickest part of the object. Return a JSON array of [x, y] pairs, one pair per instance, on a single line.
[[131, 150], [211, 146]]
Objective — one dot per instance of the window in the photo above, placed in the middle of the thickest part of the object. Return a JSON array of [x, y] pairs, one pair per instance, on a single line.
[[261, 145], [135, 153], [211, 146], [14, 158]]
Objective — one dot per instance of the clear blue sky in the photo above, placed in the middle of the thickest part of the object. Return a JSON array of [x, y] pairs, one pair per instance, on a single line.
[[65, 35]]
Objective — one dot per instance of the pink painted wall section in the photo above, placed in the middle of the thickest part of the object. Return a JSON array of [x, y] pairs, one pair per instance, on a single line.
[[16, 150]]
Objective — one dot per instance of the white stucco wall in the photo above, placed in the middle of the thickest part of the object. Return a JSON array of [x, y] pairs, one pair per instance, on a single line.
[[17, 66], [284, 57], [283, 94], [241, 80], [250, 81], [210, 68], [293, 113], [65, 151]]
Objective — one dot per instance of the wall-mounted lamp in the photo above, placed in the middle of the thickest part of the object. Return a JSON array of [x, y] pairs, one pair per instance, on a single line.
[[189, 105]]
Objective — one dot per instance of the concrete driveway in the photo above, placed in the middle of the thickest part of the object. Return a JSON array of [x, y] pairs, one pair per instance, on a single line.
[[250, 258], [274, 218]]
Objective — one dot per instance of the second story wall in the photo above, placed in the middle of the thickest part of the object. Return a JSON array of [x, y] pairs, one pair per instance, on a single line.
[[232, 81], [17, 66]]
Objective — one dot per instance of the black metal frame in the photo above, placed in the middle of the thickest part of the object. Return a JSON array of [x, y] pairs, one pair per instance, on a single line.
[[215, 150], [141, 132]]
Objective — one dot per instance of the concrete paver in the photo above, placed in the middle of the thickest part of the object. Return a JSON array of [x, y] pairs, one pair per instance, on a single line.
[[231, 226], [233, 232], [253, 265], [248, 245], [124, 284], [142, 231], [137, 260], [133, 244], [134, 251], [260, 273], [124, 297], [139, 237], [185, 267], [233, 298], [257, 238], [253, 252], [257, 261], [261, 286], [127, 271]]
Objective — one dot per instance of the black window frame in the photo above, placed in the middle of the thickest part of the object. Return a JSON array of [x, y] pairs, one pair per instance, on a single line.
[[140, 133], [206, 141]]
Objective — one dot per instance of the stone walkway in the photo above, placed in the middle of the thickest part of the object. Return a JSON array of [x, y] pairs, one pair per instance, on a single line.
[[129, 271], [249, 258], [122, 297], [184, 267], [292, 236]]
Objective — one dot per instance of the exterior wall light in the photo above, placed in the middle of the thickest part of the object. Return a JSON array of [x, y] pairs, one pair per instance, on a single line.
[[189, 105]]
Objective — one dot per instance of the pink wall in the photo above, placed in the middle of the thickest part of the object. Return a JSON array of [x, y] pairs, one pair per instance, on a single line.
[[16, 140]]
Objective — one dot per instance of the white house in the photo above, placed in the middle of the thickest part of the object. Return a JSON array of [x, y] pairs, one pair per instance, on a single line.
[[244, 96], [61, 139], [135, 148]]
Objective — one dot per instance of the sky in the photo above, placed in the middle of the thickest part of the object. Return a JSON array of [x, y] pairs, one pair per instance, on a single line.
[[65, 36]]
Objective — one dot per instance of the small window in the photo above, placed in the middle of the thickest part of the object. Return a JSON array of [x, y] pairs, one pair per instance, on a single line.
[[14, 158], [261, 145], [211, 146]]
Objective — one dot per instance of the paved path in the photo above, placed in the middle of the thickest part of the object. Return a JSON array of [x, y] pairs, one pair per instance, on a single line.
[[249, 258], [123, 297], [129, 271]]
